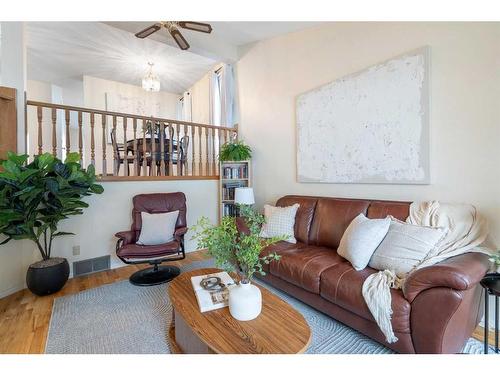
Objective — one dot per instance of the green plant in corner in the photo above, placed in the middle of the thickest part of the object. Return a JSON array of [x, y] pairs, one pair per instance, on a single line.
[[235, 151], [36, 196], [237, 250]]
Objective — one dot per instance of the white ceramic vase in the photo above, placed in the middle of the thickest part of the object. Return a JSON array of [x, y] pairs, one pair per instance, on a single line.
[[245, 301]]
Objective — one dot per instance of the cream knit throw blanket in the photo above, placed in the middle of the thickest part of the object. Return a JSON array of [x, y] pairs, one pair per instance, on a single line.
[[467, 229]]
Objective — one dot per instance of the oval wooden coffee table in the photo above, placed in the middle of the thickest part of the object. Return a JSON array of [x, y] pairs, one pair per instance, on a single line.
[[278, 329]]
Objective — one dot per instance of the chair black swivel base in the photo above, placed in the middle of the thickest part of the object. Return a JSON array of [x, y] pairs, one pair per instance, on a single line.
[[154, 275]]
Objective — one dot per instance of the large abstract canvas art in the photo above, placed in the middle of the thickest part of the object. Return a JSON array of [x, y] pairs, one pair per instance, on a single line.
[[368, 127]]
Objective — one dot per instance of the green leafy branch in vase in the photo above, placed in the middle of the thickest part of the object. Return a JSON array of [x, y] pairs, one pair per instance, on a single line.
[[236, 244]]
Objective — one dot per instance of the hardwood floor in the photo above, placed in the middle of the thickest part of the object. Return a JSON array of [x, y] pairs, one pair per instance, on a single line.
[[24, 317]]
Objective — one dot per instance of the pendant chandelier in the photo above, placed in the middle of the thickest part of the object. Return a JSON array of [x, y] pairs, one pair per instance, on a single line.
[[151, 82]]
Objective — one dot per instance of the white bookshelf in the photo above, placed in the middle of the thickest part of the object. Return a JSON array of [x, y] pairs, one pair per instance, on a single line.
[[232, 174]]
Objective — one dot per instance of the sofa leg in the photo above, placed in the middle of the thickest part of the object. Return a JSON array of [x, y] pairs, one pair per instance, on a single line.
[[154, 275]]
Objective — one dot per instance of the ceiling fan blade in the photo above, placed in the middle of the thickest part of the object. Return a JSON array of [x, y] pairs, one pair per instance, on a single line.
[[148, 31], [196, 26], [179, 39]]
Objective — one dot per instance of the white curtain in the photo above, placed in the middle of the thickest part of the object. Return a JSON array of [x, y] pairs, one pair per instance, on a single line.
[[222, 96], [227, 96]]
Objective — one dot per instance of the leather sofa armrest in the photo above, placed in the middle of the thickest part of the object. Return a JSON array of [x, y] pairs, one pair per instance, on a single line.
[[127, 237], [460, 273], [179, 233]]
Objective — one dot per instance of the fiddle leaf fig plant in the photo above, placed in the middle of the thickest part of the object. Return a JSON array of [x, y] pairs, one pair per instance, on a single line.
[[235, 250], [36, 196], [235, 151]]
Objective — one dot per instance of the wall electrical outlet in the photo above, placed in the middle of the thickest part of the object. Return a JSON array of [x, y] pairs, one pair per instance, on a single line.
[[76, 250]]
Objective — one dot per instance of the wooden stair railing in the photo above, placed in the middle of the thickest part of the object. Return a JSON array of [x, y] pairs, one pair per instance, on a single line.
[[142, 148]]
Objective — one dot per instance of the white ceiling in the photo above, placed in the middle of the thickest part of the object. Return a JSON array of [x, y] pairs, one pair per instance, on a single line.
[[61, 50], [241, 33]]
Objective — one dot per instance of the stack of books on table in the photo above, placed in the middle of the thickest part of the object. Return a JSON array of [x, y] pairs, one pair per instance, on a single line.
[[209, 300]]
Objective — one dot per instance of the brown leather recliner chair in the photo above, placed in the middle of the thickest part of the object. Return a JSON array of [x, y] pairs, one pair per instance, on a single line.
[[131, 253]]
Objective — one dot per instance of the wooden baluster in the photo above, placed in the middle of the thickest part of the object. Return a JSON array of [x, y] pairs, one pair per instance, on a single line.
[[39, 112], [184, 166], [144, 149], [125, 148], [136, 165], [207, 160], [200, 156], [193, 156], [162, 148], [115, 149], [178, 171], [104, 144], [54, 131], [80, 137], [152, 168], [214, 168], [68, 139], [170, 149], [92, 138], [218, 151]]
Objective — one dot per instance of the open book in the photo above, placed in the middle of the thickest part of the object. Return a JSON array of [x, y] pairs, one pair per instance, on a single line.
[[209, 300]]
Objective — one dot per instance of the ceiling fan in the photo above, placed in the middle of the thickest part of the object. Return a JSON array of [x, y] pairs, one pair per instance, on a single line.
[[173, 28]]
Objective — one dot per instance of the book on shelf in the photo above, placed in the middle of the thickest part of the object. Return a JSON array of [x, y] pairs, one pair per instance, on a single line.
[[229, 173], [230, 209], [209, 300], [228, 189]]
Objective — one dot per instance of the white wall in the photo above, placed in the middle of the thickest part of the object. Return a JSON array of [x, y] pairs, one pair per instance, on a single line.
[[108, 213], [464, 115]]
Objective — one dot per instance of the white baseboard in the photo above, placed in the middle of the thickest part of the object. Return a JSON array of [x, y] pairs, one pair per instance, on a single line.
[[12, 290]]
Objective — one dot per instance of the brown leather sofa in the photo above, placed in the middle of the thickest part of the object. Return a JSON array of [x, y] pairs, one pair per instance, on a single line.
[[437, 310]]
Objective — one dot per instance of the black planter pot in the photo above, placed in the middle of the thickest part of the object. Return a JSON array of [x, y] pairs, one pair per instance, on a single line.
[[47, 276]]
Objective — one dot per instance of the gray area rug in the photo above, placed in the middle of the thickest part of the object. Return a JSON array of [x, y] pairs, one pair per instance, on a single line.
[[123, 318]]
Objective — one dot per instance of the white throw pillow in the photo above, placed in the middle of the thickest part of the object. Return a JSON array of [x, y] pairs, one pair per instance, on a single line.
[[405, 246], [361, 239], [279, 221], [157, 229]]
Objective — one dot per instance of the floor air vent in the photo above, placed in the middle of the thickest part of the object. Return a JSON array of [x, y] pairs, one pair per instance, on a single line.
[[86, 266]]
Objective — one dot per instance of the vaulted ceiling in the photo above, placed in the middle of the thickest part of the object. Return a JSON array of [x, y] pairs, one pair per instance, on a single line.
[[62, 50]]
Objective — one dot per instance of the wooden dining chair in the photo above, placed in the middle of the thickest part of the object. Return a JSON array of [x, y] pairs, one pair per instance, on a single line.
[[184, 147], [121, 153]]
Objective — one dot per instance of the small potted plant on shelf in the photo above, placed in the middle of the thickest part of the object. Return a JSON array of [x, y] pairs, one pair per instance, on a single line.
[[239, 250], [34, 198], [235, 151]]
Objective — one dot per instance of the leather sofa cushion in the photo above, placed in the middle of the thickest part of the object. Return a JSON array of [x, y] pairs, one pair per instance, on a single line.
[[279, 248], [303, 266], [331, 219], [304, 215], [380, 210], [342, 286]]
